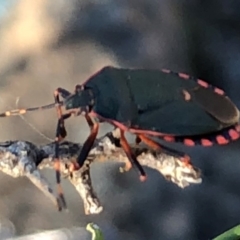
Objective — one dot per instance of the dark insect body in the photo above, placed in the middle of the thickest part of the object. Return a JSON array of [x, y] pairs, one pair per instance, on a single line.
[[171, 106]]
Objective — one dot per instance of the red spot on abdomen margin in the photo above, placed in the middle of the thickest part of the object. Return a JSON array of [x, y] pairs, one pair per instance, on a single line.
[[233, 134], [205, 142], [188, 142], [221, 140]]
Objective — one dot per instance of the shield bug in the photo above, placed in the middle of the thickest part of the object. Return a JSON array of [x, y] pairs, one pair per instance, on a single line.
[[148, 103]]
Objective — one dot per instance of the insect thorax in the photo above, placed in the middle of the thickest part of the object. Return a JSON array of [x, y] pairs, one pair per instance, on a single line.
[[82, 100]]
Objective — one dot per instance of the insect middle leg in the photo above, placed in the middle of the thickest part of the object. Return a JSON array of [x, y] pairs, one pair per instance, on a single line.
[[94, 127]]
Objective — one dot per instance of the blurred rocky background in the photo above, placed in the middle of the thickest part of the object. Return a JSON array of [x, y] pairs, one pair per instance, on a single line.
[[46, 44]]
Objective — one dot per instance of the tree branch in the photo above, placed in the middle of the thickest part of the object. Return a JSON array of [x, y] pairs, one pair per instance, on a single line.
[[22, 158]]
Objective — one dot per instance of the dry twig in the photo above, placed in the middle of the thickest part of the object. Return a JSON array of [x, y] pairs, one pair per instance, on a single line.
[[22, 158]]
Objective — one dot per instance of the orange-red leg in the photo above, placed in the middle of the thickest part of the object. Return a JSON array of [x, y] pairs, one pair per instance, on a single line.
[[89, 121], [89, 142], [156, 146], [60, 135], [151, 143], [131, 157]]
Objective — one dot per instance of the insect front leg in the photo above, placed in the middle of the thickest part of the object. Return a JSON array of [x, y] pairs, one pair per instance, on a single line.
[[60, 135], [63, 93]]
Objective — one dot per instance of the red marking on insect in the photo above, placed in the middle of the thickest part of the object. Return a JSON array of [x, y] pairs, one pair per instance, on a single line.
[[187, 95], [136, 131], [233, 134], [143, 178], [189, 142], [124, 127], [183, 75], [219, 91], [206, 142], [221, 140], [166, 71], [237, 128], [169, 138], [202, 83]]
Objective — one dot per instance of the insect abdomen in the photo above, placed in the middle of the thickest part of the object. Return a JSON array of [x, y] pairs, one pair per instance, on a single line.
[[222, 137]]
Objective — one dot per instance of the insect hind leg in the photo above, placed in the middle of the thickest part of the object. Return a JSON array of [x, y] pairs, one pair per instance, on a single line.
[[158, 147], [131, 157]]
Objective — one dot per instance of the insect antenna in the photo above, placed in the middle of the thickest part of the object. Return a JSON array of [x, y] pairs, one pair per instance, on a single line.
[[21, 111], [32, 126]]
